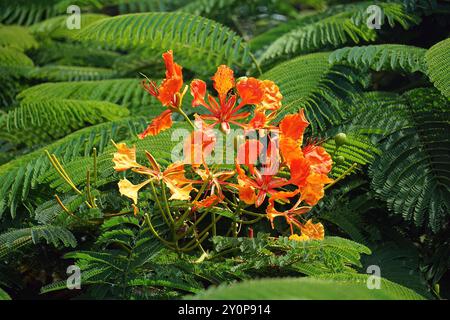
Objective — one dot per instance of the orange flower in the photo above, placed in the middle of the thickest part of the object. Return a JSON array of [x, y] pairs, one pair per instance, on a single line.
[[246, 192], [173, 177], [209, 201], [313, 191], [168, 94], [225, 111], [318, 158], [223, 81], [289, 215], [263, 184], [250, 90], [124, 158], [199, 144], [272, 97], [313, 230]]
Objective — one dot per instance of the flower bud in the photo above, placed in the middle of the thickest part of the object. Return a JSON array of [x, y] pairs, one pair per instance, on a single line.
[[340, 139], [339, 160]]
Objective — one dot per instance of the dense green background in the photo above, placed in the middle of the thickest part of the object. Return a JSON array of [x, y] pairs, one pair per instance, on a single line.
[[70, 91]]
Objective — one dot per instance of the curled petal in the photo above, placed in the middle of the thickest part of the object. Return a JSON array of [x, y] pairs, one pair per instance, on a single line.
[[223, 81], [246, 192], [293, 126], [198, 91], [319, 159], [124, 158], [271, 98], [158, 124], [313, 230], [313, 191], [250, 90], [179, 193], [208, 201], [300, 170], [130, 190]]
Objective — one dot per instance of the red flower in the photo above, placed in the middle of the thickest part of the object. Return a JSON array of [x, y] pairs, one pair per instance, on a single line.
[[225, 111], [168, 94]]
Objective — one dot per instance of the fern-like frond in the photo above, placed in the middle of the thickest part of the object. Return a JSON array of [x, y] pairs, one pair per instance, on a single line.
[[438, 66], [44, 120], [203, 40], [382, 57], [56, 27], [411, 173], [21, 175], [15, 239], [311, 82], [125, 92], [14, 62], [17, 37], [342, 28], [70, 73], [27, 12]]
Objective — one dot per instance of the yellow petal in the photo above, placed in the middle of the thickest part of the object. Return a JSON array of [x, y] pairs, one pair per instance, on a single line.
[[130, 190], [124, 158], [296, 237], [180, 193]]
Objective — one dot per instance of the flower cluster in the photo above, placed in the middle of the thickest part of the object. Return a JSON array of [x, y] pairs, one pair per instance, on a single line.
[[273, 166]]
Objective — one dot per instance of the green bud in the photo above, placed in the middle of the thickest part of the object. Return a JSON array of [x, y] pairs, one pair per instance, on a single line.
[[339, 159], [340, 139]]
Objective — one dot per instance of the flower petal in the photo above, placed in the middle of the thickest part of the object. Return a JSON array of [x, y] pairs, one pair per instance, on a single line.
[[130, 190], [293, 126], [319, 159], [158, 124], [124, 158], [198, 91], [313, 230], [250, 90], [272, 97], [223, 81]]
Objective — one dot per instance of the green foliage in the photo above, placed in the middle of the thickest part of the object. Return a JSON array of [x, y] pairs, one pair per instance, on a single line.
[[4, 295], [411, 174], [45, 120], [68, 93], [17, 37], [382, 57], [203, 41], [307, 289], [13, 240], [71, 73], [438, 66], [346, 26]]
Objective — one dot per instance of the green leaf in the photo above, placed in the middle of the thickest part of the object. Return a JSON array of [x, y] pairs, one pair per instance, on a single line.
[[438, 66], [305, 289]]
